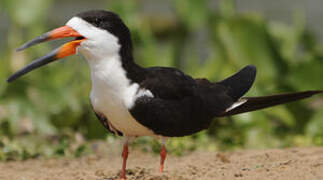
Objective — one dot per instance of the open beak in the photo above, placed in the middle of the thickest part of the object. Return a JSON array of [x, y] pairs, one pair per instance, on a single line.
[[67, 49]]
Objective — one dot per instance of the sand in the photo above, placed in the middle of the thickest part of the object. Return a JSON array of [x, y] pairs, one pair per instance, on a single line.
[[295, 163]]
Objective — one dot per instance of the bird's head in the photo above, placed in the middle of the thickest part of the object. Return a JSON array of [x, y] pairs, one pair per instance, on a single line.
[[98, 34]]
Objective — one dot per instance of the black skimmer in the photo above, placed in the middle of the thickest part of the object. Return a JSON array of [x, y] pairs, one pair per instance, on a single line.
[[134, 101]]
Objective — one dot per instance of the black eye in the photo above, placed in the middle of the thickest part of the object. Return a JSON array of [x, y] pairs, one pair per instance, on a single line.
[[97, 22]]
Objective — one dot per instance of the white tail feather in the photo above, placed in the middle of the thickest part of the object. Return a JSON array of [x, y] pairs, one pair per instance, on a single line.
[[236, 104]]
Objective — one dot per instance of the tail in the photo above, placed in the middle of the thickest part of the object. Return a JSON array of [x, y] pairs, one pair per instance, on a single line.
[[247, 104], [239, 83]]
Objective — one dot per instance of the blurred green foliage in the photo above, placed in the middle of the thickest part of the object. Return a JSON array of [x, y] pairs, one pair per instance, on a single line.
[[201, 40]]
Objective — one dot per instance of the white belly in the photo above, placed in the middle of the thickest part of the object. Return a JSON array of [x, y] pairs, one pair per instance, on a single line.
[[118, 115]]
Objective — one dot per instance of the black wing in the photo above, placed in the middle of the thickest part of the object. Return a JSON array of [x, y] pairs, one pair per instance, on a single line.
[[239, 83], [181, 105], [256, 103]]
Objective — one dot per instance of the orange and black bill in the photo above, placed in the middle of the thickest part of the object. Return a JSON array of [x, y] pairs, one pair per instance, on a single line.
[[65, 50], [64, 31]]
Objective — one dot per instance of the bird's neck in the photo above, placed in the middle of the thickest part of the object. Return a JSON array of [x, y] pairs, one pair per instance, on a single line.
[[115, 67], [134, 71], [122, 60], [110, 81]]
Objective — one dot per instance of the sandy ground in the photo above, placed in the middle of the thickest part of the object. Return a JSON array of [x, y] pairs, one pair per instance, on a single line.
[[296, 163]]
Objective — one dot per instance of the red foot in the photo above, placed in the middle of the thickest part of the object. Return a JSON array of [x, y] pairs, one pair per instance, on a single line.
[[163, 153], [124, 163]]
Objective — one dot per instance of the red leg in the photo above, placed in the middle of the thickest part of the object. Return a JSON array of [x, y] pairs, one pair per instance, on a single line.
[[163, 153], [124, 163]]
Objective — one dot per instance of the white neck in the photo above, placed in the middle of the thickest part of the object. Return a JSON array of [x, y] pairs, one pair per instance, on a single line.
[[109, 79]]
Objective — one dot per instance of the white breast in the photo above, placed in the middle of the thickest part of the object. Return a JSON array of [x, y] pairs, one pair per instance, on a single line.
[[112, 95]]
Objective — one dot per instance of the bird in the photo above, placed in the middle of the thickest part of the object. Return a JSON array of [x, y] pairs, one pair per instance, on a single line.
[[133, 101]]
